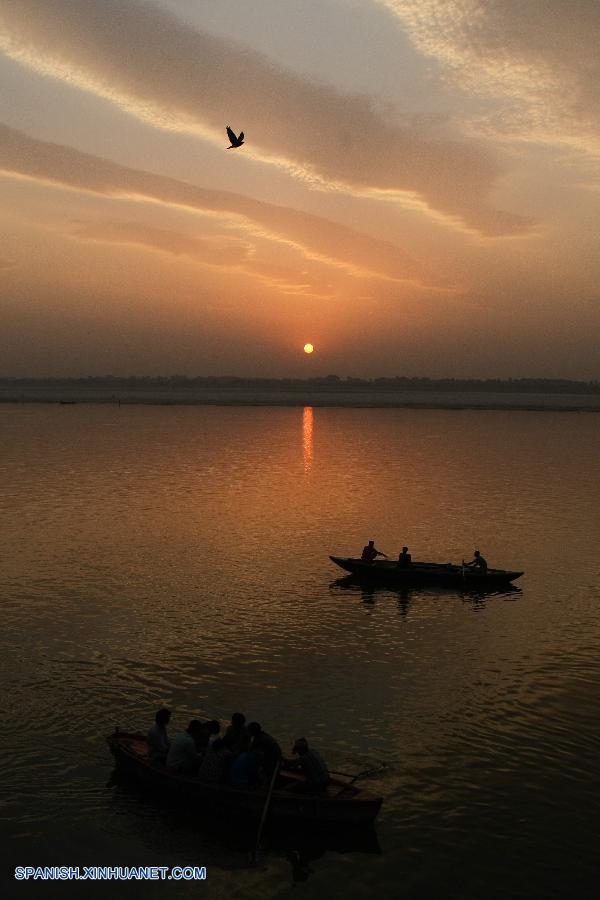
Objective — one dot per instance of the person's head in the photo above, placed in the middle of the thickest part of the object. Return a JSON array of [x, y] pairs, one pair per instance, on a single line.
[[238, 720], [195, 728], [162, 717], [213, 726], [254, 729], [300, 746], [477, 553], [371, 543], [405, 549]]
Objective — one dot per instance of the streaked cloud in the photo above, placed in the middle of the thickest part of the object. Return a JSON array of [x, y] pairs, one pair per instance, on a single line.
[[148, 62], [540, 58], [220, 252], [314, 237], [199, 249]]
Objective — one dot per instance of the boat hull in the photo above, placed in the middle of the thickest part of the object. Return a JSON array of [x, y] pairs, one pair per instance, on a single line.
[[343, 803], [444, 574]]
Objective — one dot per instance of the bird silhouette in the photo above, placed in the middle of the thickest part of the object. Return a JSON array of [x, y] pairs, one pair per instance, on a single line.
[[235, 141]]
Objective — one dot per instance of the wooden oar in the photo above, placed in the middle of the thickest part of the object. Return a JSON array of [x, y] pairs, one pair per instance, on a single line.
[[365, 774], [265, 809]]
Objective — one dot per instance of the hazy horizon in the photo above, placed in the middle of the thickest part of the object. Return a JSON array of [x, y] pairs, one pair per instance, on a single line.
[[418, 189], [330, 380]]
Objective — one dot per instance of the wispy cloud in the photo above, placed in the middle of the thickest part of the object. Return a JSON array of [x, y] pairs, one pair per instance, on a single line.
[[237, 257], [314, 237], [148, 62], [539, 57], [202, 250]]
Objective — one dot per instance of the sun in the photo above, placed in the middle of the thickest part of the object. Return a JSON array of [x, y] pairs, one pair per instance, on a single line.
[[308, 348]]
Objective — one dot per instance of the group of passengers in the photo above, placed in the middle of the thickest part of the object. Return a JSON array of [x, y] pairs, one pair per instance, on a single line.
[[245, 756], [370, 552]]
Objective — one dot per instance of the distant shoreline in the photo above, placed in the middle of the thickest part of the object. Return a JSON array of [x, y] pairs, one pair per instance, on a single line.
[[328, 383], [65, 393]]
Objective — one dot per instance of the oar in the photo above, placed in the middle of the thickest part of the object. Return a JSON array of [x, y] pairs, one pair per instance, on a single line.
[[265, 809], [365, 774]]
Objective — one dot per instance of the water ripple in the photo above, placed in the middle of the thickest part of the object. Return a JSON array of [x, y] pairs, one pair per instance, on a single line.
[[180, 557]]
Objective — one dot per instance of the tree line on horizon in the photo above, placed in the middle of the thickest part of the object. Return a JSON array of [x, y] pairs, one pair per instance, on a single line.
[[327, 382]]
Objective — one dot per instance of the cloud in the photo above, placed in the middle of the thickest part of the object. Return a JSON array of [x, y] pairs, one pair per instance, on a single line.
[[202, 250], [539, 57], [217, 252], [314, 237], [147, 61]]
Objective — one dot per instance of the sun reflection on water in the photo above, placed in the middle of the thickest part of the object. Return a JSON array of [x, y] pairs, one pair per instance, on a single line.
[[307, 437]]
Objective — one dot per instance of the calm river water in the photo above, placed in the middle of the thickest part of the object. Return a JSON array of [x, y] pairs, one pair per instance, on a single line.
[[179, 556]]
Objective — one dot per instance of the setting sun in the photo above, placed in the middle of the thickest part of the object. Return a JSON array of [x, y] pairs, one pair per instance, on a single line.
[[308, 348]]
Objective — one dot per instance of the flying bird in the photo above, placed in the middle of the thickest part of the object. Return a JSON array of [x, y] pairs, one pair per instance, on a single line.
[[235, 141]]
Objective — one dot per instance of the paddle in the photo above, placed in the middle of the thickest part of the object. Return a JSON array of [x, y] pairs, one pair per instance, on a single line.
[[265, 809], [365, 774]]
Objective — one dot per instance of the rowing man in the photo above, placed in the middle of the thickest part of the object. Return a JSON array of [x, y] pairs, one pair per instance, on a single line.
[[370, 552], [312, 765], [479, 562]]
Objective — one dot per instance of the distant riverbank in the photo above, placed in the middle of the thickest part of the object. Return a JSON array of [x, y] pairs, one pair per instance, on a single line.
[[318, 396]]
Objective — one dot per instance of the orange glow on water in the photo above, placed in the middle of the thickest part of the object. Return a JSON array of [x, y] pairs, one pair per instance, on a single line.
[[307, 437]]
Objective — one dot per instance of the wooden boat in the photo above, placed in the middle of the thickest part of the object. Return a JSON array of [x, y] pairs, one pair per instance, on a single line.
[[426, 573], [342, 803]]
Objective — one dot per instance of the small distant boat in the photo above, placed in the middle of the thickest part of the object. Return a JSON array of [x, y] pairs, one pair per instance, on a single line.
[[426, 573], [342, 803]]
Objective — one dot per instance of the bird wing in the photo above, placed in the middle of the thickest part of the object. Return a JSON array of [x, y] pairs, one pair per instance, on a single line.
[[231, 135], [241, 137]]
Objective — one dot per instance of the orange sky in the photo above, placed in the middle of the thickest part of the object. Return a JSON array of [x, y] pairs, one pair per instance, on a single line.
[[418, 192]]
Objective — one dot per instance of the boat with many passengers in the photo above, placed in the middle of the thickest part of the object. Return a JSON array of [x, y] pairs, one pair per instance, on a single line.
[[445, 574], [341, 803]]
